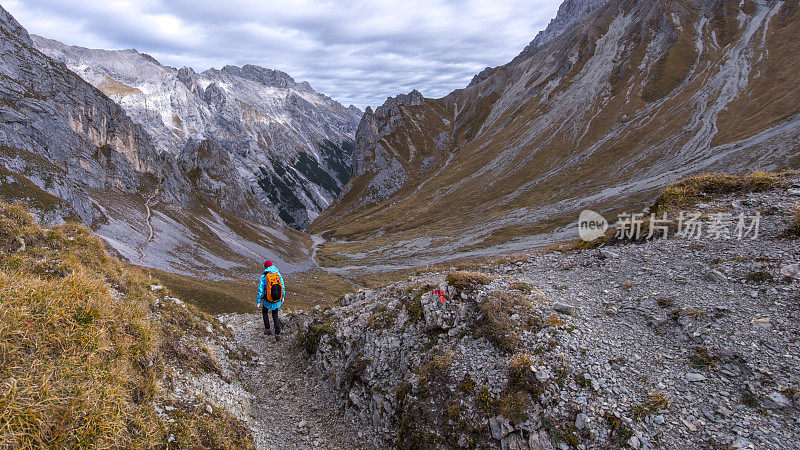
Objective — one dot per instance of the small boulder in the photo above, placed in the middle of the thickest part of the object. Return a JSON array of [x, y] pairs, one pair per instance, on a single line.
[[563, 308], [695, 377], [716, 276], [500, 427], [779, 400], [608, 254], [580, 421], [791, 271], [542, 375]]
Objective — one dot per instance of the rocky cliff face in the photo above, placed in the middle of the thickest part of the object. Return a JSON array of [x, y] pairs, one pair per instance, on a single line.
[[628, 97], [290, 143], [69, 150], [569, 13], [58, 121]]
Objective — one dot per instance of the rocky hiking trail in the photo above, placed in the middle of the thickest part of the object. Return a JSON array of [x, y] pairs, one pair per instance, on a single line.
[[290, 409], [151, 201]]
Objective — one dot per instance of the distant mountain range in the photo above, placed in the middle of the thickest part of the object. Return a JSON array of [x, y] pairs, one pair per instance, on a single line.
[[291, 144], [164, 164], [614, 100]]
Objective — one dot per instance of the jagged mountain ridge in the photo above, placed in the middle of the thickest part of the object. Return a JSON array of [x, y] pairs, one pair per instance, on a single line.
[[291, 144], [69, 150], [569, 12], [630, 97]]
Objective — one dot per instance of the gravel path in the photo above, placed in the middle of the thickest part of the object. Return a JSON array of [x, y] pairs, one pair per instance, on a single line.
[[292, 410]]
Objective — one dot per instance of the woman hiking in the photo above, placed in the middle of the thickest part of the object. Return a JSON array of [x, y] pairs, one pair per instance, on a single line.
[[270, 295]]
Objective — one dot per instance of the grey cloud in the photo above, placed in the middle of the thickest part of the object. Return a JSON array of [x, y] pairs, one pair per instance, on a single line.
[[356, 51]]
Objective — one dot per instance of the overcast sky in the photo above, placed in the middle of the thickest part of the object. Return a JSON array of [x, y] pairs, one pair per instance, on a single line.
[[357, 52]]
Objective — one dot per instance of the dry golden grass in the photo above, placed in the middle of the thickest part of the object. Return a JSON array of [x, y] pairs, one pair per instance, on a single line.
[[80, 363], [496, 324], [794, 224], [521, 375], [16, 187], [691, 190], [767, 103], [654, 402], [520, 363], [701, 357], [465, 280], [68, 363], [110, 87], [671, 69], [436, 369], [303, 291], [555, 321]]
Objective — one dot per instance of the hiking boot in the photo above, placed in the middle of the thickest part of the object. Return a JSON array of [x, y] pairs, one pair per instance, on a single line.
[[277, 337], [267, 332]]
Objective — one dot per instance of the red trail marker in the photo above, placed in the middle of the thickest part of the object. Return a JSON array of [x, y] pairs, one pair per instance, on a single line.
[[440, 293]]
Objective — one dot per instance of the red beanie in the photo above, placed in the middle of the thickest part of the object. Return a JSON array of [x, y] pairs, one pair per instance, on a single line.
[[267, 263]]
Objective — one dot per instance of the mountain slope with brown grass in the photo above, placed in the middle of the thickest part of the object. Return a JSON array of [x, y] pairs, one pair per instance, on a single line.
[[89, 351], [634, 96]]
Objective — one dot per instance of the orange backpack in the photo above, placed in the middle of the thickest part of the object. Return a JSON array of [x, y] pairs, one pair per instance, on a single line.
[[274, 290]]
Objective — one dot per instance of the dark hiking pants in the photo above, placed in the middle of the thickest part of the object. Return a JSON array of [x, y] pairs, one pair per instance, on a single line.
[[265, 313]]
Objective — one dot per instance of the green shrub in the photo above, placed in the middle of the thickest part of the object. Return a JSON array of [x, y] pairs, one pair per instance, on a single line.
[[760, 276], [311, 338], [794, 224]]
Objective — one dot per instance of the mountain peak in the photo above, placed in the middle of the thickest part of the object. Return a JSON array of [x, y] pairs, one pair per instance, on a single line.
[[267, 77], [7, 21], [391, 105], [569, 13]]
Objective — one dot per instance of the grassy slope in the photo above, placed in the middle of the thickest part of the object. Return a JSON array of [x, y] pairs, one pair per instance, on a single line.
[[82, 340], [683, 194], [540, 172]]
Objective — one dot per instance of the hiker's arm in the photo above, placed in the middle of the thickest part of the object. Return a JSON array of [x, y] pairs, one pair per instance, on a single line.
[[260, 292], [283, 287]]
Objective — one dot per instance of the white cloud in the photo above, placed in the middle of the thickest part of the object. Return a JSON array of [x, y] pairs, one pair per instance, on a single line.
[[356, 51]]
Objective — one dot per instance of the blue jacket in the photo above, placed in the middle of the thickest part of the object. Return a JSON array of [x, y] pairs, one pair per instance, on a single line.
[[262, 286]]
